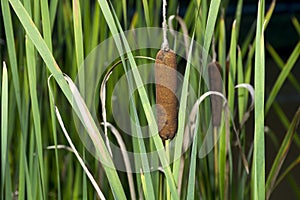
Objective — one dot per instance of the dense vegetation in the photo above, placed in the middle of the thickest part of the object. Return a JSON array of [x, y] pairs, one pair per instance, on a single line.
[[43, 151]]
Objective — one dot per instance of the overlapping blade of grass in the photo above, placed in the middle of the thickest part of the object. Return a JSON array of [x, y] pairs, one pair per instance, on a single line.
[[210, 26], [222, 47], [136, 149], [285, 121], [146, 12], [192, 168], [281, 155], [54, 133], [291, 179], [31, 70], [48, 17], [87, 8], [22, 143], [138, 143], [124, 5], [241, 92], [282, 76], [247, 40], [199, 24], [258, 164], [22, 164], [188, 17], [96, 27], [232, 68], [4, 125], [44, 51], [243, 192], [296, 24], [269, 14], [182, 115], [77, 26], [36, 11], [266, 22], [99, 192], [204, 148], [33, 165], [280, 63], [126, 159], [8, 189], [77, 184], [222, 139], [11, 50], [242, 103], [153, 12], [248, 71], [32, 79], [91, 127], [203, 16], [142, 93], [29, 188], [231, 93], [238, 16], [52, 12], [46, 23], [146, 176], [145, 171], [172, 8]]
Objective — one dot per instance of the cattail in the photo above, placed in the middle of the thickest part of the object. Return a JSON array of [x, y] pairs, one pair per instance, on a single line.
[[215, 84], [166, 85]]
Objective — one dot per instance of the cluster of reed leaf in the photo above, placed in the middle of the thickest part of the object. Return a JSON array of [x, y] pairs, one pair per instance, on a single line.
[[42, 155]]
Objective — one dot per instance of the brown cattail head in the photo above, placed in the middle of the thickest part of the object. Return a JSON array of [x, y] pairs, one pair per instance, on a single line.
[[166, 85], [215, 84]]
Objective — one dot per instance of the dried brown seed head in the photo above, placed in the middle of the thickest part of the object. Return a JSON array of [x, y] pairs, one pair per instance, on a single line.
[[166, 85]]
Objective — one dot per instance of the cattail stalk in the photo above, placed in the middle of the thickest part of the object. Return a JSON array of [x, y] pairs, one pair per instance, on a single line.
[[215, 84]]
